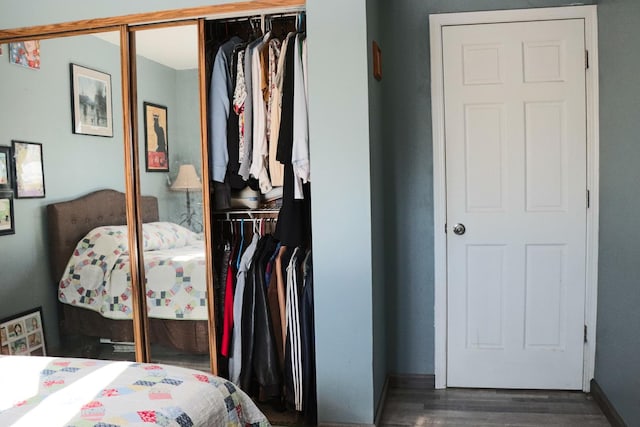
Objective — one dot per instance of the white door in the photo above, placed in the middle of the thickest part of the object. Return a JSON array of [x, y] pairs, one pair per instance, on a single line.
[[515, 123]]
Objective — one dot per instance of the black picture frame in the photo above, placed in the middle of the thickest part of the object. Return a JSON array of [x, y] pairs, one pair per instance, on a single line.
[[91, 102], [7, 217], [156, 137], [29, 340], [6, 168], [27, 162]]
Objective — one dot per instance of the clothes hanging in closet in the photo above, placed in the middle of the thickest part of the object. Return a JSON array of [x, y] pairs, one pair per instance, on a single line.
[[254, 76], [267, 316]]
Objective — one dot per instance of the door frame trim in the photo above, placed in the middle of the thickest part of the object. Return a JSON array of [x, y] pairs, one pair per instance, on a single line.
[[436, 24]]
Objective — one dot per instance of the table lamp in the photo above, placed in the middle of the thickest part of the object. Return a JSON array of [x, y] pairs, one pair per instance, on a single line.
[[187, 180]]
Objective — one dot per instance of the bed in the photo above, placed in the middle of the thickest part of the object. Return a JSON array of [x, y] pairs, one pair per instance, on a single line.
[[75, 392], [76, 228]]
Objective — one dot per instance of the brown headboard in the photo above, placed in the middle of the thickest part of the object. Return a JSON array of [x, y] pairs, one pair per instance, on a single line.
[[70, 221]]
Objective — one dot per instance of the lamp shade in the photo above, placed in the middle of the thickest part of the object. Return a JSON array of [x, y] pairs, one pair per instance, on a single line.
[[187, 179]]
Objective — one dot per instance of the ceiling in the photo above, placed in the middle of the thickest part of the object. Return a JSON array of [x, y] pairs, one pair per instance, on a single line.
[[175, 47]]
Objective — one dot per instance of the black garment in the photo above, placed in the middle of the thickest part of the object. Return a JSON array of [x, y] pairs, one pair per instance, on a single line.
[[285, 136], [307, 333], [259, 354], [294, 220], [265, 354]]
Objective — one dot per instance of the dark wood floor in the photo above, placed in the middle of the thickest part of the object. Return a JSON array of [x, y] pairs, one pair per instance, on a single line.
[[410, 405], [480, 408]]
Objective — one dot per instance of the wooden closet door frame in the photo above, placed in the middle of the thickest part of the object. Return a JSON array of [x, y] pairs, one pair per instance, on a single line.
[[126, 25]]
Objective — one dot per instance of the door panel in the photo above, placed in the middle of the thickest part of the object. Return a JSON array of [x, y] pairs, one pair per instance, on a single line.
[[516, 178]]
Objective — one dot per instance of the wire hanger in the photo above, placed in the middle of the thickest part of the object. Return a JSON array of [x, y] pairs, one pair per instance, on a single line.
[[241, 244]]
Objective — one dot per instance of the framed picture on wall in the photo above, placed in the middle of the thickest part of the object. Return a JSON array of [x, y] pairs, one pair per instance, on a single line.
[[156, 142], [91, 102], [7, 225], [23, 334], [28, 169], [25, 54], [6, 175]]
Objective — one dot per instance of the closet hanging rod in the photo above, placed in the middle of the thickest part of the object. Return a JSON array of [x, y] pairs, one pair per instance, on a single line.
[[248, 213], [233, 17], [249, 220], [260, 17]]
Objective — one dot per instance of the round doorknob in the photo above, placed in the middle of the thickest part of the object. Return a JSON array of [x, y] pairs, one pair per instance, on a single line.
[[459, 229]]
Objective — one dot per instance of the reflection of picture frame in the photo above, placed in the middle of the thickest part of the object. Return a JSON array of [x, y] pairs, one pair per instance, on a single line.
[[7, 225], [91, 102], [25, 54], [23, 334], [28, 169], [6, 175], [156, 142]]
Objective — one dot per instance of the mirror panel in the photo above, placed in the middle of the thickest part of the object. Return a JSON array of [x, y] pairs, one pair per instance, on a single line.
[[169, 143], [37, 107]]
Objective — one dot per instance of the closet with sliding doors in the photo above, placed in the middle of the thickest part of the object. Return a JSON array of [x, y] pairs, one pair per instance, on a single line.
[[258, 146], [231, 115]]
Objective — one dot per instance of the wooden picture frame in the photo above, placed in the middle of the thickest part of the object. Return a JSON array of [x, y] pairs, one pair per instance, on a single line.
[[91, 109], [23, 334], [7, 218], [6, 170], [377, 61], [156, 141], [28, 169]]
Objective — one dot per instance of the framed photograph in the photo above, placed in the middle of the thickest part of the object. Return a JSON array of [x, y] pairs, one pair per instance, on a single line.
[[28, 170], [7, 225], [23, 334], [25, 54], [156, 143], [91, 102], [6, 174]]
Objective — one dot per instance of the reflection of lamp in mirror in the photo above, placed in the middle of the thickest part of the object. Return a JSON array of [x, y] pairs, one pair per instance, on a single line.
[[187, 180]]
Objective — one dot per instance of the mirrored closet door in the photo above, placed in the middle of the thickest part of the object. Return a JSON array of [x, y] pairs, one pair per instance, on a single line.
[[166, 93], [63, 102]]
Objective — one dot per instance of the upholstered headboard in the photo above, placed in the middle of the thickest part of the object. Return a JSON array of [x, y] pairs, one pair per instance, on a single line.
[[70, 221]]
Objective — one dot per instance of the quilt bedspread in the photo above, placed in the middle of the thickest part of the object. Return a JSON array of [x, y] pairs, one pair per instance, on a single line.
[[47, 391], [97, 276]]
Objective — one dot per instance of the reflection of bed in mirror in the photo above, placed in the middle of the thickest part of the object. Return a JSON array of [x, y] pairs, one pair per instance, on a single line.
[[81, 233]]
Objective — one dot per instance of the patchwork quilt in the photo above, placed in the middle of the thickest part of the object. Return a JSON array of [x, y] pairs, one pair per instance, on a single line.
[[97, 276], [47, 391]]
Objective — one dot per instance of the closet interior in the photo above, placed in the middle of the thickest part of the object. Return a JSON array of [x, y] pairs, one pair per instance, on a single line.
[[261, 210]]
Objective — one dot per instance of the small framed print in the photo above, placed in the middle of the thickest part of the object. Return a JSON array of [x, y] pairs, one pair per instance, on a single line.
[[23, 334], [91, 101], [25, 54], [156, 143], [377, 61], [6, 174], [7, 225], [28, 169]]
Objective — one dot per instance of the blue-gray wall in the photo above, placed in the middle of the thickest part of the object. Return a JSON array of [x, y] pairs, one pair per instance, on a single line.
[[618, 336]]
